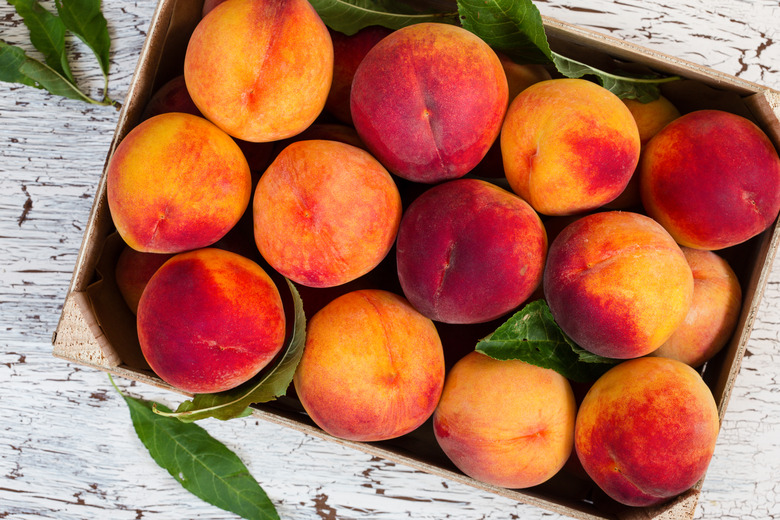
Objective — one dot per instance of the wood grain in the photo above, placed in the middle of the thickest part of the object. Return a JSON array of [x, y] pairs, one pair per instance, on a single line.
[[67, 447]]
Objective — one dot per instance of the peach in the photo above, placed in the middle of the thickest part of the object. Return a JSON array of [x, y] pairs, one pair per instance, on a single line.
[[260, 69], [712, 179], [171, 97], [469, 252], [646, 430], [209, 5], [568, 146], [431, 131], [133, 271], [505, 423], [372, 367], [650, 118], [712, 318], [174, 97], [210, 320], [348, 52], [329, 132], [325, 213], [520, 76], [176, 182], [321, 131], [617, 284]]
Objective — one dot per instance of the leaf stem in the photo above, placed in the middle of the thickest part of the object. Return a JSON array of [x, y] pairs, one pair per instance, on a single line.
[[390, 14], [648, 81]]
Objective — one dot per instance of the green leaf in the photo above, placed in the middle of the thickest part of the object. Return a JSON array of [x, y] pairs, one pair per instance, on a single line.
[[643, 89], [85, 19], [531, 335], [201, 464], [349, 16], [513, 27], [17, 67], [47, 34], [266, 386]]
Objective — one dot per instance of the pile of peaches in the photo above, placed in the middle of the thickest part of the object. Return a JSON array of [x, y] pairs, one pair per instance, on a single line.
[[419, 188]]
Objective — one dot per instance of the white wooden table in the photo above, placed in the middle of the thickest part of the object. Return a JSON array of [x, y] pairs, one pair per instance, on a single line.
[[67, 446]]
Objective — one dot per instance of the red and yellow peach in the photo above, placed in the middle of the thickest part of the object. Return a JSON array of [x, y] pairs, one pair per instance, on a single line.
[[712, 318], [210, 320], [568, 146], [372, 367], [646, 430], [325, 213], [617, 284], [469, 252], [260, 69], [712, 179], [505, 423], [176, 182], [449, 97]]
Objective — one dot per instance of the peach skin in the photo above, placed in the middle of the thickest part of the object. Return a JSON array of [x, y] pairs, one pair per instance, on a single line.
[[646, 430], [406, 110], [712, 179], [372, 367], [505, 423], [468, 252], [617, 284], [712, 318], [260, 69], [325, 213], [176, 182], [210, 320], [568, 146]]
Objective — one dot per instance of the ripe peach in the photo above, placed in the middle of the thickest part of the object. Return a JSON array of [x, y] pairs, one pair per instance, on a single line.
[[348, 52], [717, 300], [712, 179], [431, 131], [209, 5], [210, 320], [171, 97], [469, 252], [520, 76], [325, 213], [321, 131], [176, 182], [174, 97], [617, 284], [133, 271], [372, 367], [260, 69], [650, 118], [505, 423], [646, 430], [568, 146]]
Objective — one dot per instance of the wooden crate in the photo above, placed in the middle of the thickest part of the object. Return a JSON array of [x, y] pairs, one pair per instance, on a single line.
[[97, 329]]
